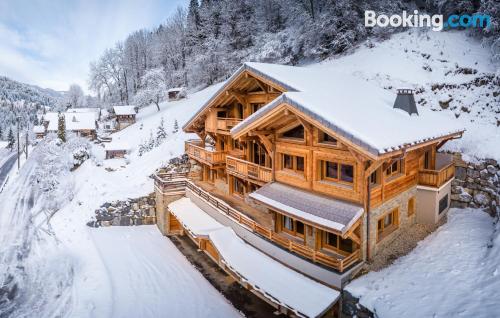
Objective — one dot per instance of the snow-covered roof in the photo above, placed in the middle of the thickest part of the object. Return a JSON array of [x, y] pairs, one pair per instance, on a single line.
[[73, 121], [93, 110], [176, 89], [352, 108], [116, 146], [264, 274], [309, 207], [124, 110], [38, 129]]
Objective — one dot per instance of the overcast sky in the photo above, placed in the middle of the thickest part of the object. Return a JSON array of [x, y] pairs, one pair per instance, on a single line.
[[50, 43]]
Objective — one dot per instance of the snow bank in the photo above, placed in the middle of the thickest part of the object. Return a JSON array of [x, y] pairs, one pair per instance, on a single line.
[[452, 273]]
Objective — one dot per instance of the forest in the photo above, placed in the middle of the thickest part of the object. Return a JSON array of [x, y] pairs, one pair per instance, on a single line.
[[207, 41]]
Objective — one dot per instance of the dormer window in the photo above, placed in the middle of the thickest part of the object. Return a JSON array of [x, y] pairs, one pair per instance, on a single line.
[[295, 133], [395, 168], [325, 138]]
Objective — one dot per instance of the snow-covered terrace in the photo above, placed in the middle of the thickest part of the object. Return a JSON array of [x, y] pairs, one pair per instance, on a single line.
[[271, 279]]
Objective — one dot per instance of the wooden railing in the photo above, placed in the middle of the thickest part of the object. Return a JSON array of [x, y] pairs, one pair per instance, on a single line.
[[172, 182], [226, 124], [205, 155], [248, 169], [436, 178]]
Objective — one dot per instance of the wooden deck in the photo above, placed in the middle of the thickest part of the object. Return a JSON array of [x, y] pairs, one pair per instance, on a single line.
[[248, 170], [445, 170], [206, 155]]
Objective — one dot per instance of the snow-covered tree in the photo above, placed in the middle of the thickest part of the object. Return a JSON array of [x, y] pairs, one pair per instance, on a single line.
[[176, 127], [161, 133], [11, 141], [151, 141], [153, 88], [61, 127], [75, 97]]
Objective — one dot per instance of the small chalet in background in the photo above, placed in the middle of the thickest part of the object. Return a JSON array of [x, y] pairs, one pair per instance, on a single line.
[[82, 124], [39, 131], [176, 93], [116, 149], [125, 116]]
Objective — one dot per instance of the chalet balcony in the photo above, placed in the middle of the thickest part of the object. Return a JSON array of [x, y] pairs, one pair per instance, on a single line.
[[445, 170], [248, 170], [225, 124], [207, 155]]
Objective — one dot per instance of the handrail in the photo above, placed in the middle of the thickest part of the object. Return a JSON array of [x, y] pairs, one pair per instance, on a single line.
[[249, 169], [203, 154], [436, 178], [265, 232]]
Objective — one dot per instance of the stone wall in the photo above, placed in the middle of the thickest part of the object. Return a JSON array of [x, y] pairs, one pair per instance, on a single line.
[[401, 202], [128, 212], [477, 186]]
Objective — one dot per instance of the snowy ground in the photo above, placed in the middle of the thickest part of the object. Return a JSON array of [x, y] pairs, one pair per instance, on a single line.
[[452, 273]]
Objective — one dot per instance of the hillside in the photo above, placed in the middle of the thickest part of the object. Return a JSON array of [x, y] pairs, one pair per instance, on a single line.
[[13, 91]]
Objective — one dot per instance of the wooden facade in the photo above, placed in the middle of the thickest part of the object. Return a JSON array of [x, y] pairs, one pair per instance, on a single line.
[[290, 147]]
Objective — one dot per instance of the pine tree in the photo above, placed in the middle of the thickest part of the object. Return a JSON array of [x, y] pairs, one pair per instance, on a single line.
[[1, 133], [11, 141], [61, 127], [161, 134], [142, 149], [176, 127], [151, 142]]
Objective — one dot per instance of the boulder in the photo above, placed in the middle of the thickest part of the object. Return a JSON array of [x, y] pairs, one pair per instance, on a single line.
[[482, 199], [456, 189], [491, 169], [460, 173], [462, 197], [483, 174], [491, 162]]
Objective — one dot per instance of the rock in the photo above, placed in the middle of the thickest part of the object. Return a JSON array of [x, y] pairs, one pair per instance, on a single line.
[[491, 162], [462, 197], [482, 199], [457, 204], [472, 173], [460, 173], [484, 174], [125, 221], [456, 189], [491, 169], [105, 223]]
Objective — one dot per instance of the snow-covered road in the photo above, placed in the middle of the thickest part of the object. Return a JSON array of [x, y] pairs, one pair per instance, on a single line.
[[7, 161], [151, 278]]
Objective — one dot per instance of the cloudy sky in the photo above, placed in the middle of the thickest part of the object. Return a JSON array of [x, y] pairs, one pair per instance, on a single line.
[[50, 43]]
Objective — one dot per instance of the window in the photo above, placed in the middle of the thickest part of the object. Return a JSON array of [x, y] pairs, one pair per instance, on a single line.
[[387, 224], [374, 178], [411, 206], [443, 204], [292, 227], [295, 133], [394, 168], [222, 114], [259, 154], [335, 242], [427, 159], [256, 107], [295, 163], [237, 144], [336, 172], [327, 139], [238, 186], [239, 111]]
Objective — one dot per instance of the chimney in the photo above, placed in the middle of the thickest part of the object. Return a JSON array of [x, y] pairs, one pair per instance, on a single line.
[[406, 101]]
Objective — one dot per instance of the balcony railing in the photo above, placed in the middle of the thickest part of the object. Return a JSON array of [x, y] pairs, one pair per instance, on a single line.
[[206, 155], [445, 170], [225, 124], [171, 183], [248, 169]]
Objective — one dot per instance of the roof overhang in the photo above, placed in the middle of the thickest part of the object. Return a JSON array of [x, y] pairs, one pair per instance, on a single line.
[[244, 70], [322, 212]]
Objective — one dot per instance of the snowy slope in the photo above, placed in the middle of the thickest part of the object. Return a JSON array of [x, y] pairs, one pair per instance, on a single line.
[[108, 259], [435, 64], [452, 273]]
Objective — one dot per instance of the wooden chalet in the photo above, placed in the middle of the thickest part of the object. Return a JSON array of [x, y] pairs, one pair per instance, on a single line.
[[325, 167], [83, 124], [176, 93], [125, 116], [116, 149]]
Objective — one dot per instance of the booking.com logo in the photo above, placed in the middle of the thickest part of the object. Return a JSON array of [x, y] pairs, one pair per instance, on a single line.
[[436, 21]]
